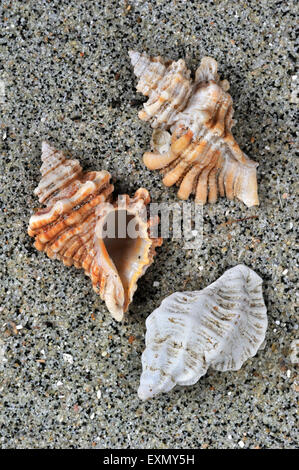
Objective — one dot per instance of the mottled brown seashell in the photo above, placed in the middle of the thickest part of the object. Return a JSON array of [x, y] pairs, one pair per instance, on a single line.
[[200, 153], [70, 228]]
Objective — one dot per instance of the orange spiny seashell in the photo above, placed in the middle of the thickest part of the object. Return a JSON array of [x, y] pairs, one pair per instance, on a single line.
[[70, 228], [200, 154]]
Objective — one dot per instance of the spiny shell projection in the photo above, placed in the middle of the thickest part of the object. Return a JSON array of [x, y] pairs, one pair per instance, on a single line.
[[220, 326], [200, 154], [78, 204]]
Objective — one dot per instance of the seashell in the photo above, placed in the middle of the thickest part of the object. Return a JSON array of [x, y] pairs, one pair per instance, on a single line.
[[71, 228], [200, 153], [220, 326]]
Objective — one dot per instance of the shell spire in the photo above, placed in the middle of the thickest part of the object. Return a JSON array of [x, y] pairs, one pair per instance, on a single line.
[[195, 117], [220, 326], [167, 85], [68, 228]]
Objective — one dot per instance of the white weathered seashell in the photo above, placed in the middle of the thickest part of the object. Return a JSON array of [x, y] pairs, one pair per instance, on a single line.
[[203, 157], [220, 326]]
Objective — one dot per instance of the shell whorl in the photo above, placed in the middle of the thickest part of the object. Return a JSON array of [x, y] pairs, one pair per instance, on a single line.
[[66, 229], [167, 85], [202, 157], [220, 326]]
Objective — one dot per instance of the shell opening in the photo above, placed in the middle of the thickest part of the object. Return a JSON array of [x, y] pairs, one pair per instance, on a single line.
[[125, 244]]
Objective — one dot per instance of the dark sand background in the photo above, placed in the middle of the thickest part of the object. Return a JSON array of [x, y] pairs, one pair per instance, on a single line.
[[69, 372]]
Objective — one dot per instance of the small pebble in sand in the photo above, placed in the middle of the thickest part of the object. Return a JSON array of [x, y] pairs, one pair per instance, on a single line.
[[294, 352], [68, 358]]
